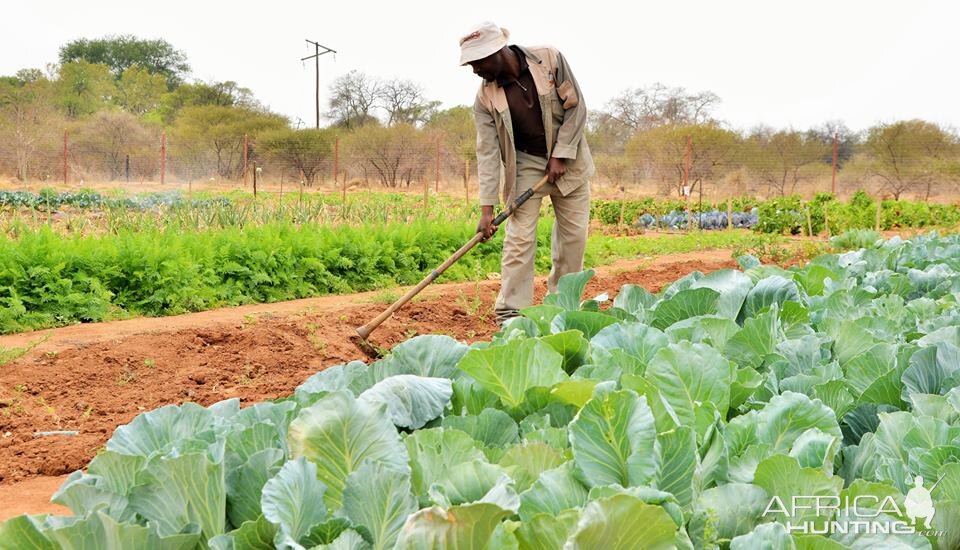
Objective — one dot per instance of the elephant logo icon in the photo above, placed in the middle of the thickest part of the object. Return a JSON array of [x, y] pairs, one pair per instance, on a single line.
[[919, 504]]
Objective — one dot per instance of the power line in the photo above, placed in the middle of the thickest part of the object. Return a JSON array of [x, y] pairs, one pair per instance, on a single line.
[[316, 58]]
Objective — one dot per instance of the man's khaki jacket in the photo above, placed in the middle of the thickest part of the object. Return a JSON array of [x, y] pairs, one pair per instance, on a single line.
[[564, 121]]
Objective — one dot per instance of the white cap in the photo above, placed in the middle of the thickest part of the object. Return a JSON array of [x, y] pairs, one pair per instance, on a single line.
[[483, 40]]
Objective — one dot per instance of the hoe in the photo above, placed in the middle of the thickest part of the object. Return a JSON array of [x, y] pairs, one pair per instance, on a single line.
[[360, 338]]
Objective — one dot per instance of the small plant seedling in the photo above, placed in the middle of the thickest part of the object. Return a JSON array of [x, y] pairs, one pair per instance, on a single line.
[[49, 409], [470, 304], [126, 377], [318, 343], [246, 377], [385, 297]]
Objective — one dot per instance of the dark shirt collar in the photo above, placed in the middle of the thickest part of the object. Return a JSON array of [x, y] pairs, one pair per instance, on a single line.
[[503, 79]]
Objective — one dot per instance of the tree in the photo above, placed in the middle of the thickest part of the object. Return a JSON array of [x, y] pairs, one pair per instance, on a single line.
[[103, 143], [84, 88], [405, 103], [658, 105], [396, 155], [662, 152], [304, 151], [353, 97], [909, 155], [782, 159], [122, 52], [224, 94], [27, 117], [607, 134], [455, 129], [138, 91], [228, 93], [613, 167], [209, 139], [847, 141], [26, 76]]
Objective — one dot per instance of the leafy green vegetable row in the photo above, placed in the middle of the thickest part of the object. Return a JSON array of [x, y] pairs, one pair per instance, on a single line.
[[788, 215], [675, 420], [49, 280], [778, 215], [50, 199]]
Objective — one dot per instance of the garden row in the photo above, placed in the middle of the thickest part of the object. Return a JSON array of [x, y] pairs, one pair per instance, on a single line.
[[48, 280], [89, 213], [786, 215], [50, 199], [809, 408]]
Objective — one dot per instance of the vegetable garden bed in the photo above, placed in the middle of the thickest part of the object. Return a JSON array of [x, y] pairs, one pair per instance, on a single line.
[[691, 418]]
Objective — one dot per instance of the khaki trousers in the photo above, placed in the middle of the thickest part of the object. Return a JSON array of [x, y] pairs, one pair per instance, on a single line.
[[567, 243]]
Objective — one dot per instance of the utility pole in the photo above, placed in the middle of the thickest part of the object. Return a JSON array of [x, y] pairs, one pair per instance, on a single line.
[[316, 58]]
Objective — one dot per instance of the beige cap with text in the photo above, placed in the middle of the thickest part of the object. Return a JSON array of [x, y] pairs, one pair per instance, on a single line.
[[483, 40]]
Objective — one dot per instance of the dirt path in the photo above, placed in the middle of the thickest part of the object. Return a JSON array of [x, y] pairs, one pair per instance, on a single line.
[[93, 378]]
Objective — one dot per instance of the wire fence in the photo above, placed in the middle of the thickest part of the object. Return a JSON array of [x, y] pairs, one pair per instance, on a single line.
[[694, 168], [78, 159]]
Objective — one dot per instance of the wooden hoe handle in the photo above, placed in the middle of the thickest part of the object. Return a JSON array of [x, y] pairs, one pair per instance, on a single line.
[[366, 329]]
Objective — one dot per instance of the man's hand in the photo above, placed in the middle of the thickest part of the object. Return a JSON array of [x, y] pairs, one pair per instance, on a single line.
[[555, 169], [486, 222]]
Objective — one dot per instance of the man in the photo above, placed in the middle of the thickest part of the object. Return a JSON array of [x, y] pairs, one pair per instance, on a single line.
[[530, 119]]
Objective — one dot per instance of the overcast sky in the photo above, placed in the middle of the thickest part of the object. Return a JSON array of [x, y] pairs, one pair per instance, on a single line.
[[783, 64]]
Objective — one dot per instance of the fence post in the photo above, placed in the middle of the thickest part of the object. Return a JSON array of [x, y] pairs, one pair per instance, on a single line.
[[426, 198], [623, 207], [686, 182], [300, 185], [437, 166], [466, 180], [163, 157], [729, 214], [254, 179], [64, 156], [336, 161], [833, 182], [879, 212], [244, 161]]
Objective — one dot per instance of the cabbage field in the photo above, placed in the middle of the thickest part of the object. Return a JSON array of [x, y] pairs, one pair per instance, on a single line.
[[810, 408]]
